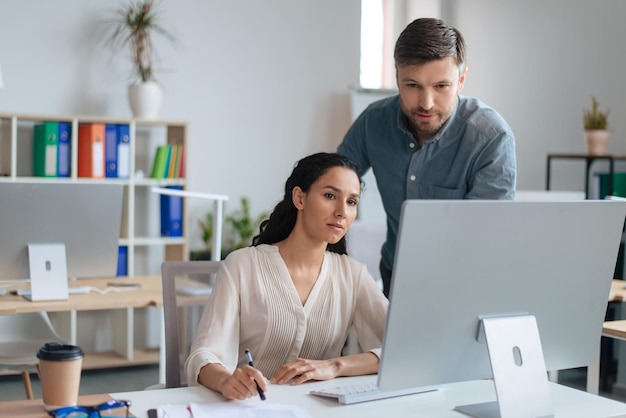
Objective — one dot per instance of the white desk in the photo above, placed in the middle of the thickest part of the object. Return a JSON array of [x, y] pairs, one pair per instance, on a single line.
[[568, 402]]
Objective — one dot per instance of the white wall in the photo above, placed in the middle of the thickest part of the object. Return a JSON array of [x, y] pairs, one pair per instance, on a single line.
[[262, 83], [538, 62]]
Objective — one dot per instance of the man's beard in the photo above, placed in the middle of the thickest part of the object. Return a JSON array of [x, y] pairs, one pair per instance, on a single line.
[[426, 130]]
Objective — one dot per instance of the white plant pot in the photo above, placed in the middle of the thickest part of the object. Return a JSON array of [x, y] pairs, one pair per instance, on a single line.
[[595, 141], [145, 100]]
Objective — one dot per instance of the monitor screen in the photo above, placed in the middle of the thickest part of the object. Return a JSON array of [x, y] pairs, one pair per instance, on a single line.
[[84, 217], [459, 261]]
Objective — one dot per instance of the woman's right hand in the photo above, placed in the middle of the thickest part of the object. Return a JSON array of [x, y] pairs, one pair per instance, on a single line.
[[242, 383]]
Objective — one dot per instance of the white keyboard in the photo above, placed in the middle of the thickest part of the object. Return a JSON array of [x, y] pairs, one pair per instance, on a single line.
[[365, 392]]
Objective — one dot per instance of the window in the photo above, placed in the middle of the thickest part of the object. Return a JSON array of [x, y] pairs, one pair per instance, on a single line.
[[381, 23], [371, 44]]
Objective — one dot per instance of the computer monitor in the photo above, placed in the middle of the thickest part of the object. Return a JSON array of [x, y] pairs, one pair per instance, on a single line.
[[460, 261], [85, 217]]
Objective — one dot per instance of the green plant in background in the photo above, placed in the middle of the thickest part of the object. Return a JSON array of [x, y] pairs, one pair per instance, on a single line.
[[594, 118], [239, 229], [242, 226], [206, 228], [133, 25]]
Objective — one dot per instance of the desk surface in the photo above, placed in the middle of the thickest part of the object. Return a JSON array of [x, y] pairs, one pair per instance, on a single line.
[[149, 294], [568, 402]]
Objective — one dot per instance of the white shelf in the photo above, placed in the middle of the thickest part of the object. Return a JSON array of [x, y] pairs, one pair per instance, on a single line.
[[140, 227], [144, 241], [145, 136]]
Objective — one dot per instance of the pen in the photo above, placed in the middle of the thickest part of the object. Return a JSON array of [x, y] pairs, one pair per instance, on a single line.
[[251, 363]]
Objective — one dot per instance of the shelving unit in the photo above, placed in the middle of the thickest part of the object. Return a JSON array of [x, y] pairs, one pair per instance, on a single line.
[[140, 229]]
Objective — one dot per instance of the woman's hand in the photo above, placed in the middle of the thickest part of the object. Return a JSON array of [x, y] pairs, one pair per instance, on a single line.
[[242, 383], [302, 370]]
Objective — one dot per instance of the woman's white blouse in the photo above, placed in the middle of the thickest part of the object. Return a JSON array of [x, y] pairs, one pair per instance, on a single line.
[[254, 305]]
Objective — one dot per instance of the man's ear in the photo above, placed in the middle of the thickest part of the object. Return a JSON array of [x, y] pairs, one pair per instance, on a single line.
[[297, 197], [462, 79]]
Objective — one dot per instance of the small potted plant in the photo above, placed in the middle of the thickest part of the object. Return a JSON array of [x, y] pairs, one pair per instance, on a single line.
[[133, 27], [595, 122]]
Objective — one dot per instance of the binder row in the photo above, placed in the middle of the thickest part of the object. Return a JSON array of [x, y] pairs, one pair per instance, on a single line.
[[103, 150], [168, 162]]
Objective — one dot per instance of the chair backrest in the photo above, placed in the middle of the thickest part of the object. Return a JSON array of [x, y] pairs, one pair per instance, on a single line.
[[170, 271], [21, 337]]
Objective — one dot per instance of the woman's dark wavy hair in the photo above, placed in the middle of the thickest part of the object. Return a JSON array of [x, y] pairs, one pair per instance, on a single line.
[[306, 172]]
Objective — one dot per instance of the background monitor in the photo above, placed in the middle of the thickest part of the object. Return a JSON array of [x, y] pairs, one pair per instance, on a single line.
[[458, 261], [84, 217]]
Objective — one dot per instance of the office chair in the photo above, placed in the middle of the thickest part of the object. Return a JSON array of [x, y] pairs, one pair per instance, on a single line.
[[176, 347], [21, 337]]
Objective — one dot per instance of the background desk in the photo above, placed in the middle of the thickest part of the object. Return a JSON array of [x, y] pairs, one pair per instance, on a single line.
[[589, 160], [612, 329], [121, 303], [568, 402]]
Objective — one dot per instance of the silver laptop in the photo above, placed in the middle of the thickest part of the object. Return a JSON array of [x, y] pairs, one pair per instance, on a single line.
[[460, 261]]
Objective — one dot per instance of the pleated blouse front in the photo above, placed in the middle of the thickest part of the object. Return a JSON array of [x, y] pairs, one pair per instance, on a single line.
[[255, 305]]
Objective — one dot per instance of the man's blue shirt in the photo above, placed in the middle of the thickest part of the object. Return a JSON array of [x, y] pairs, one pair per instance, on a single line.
[[471, 157]]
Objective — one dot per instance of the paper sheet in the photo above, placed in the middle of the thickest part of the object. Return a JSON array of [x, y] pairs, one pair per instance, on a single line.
[[248, 410], [173, 411]]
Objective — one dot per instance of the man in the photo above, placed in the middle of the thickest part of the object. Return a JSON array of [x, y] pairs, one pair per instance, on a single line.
[[429, 142]]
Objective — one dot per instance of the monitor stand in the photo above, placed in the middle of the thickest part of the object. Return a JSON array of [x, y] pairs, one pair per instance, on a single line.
[[518, 368], [48, 272]]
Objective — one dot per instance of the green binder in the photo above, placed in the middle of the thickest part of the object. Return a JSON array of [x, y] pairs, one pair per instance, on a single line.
[[160, 162], [45, 149]]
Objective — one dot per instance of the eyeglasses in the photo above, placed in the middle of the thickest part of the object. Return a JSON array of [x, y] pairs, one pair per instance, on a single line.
[[119, 408]]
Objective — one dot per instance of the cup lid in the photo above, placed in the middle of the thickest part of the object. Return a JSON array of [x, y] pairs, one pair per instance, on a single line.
[[59, 352]]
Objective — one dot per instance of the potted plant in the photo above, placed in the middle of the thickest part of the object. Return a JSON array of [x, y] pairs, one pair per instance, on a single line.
[[240, 226], [134, 26], [595, 122]]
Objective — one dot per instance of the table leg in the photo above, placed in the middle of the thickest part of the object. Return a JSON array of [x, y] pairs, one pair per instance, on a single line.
[[593, 376]]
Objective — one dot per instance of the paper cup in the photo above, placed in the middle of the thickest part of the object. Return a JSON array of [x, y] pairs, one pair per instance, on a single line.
[[59, 372]]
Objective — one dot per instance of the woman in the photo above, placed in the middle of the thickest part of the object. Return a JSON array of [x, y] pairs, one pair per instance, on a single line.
[[292, 296]]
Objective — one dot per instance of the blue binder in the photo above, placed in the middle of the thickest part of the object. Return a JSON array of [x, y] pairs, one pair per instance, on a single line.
[[123, 151], [122, 261], [65, 129], [172, 214], [110, 150]]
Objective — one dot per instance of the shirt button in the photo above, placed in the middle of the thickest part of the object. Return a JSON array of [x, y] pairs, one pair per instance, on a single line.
[[412, 144], [412, 178]]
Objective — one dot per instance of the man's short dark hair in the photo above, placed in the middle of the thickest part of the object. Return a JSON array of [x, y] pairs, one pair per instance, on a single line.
[[428, 39]]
